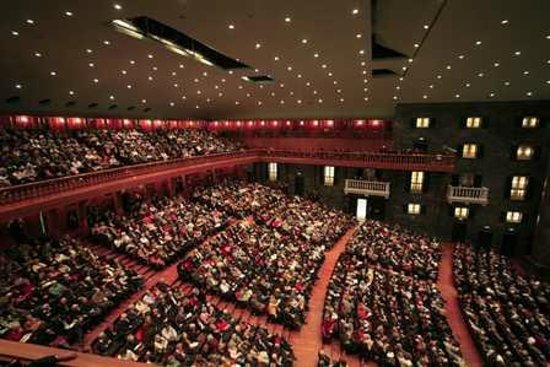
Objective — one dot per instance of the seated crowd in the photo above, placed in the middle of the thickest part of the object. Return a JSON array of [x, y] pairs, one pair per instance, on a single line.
[[179, 327], [397, 248], [383, 310], [53, 291], [157, 233], [29, 155], [507, 313]]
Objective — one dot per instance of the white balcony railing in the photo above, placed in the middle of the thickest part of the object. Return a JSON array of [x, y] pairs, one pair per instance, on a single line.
[[468, 195], [370, 188]]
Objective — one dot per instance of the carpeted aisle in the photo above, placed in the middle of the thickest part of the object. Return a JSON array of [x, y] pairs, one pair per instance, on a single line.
[[454, 314]]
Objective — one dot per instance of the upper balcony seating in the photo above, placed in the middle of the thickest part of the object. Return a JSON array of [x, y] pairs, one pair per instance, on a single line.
[[35, 155]]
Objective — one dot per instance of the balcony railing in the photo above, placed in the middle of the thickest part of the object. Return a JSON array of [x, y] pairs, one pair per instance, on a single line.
[[391, 161], [468, 195], [368, 188]]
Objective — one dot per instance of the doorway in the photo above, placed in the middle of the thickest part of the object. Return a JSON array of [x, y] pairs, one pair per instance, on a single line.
[[361, 212]]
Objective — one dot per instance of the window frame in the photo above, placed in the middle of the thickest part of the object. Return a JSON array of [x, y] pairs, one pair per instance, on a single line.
[[473, 122], [272, 171], [414, 208], [530, 122], [417, 181], [514, 217], [328, 177], [423, 123], [521, 152], [470, 151], [518, 187], [461, 212]]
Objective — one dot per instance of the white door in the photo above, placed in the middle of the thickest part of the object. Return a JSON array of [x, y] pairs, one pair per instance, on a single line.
[[361, 209]]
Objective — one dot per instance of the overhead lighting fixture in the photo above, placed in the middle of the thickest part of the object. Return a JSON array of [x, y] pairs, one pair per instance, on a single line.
[[71, 92], [504, 21], [53, 73], [144, 101], [517, 53], [416, 45], [461, 57], [491, 95], [14, 33], [112, 98], [457, 95], [258, 45], [69, 13], [304, 40], [38, 54], [117, 6], [150, 56], [288, 20], [426, 26], [507, 84], [355, 11], [89, 51], [96, 80], [358, 35], [529, 94], [478, 43], [18, 86], [30, 21], [132, 62], [106, 43], [276, 58], [496, 64], [231, 26]]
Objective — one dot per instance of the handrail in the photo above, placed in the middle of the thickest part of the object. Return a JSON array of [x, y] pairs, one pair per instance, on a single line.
[[466, 194], [403, 161], [364, 187]]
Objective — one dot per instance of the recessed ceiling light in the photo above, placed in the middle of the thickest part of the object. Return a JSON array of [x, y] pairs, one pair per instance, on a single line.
[[117, 6], [111, 97], [404, 68], [320, 100], [259, 103], [491, 95], [330, 73], [231, 26], [183, 97], [335, 82], [14, 33], [282, 101], [394, 98], [196, 80], [69, 13], [363, 63], [439, 77], [18, 86], [478, 43], [365, 80], [410, 61], [199, 92], [38, 54], [91, 64], [89, 51], [358, 35], [398, 87], [324, 66], [197, 107], [481, 75], [106, 43], [448, 67], [431, 86], [425, 96], [223, 80], [457, 95], [174, 73], [258, 45], [237, 103], [355, 11], [314, 92], [341, 99], [548, 82], [144, 101], [401, 78], [176, 85], [507, 83], [304, 40], [129, 86], [461, 57], [365, 89], [526, 72], [338, 91], [426, 26], [468, 85], [96, 80], [308, 84], [181, 66], [30, 21], [220, 94], [288, 20], [71, 92], [155, 68], [276, 58], [150, 78], [416, 45], [361, 52], [496, 64], [240, 87], [150, 56], [132, 62], [299, 76], [316, 55], [289, 68], [53, 73], [517, 53], [504, 21], [529, 94], [548, 37], [172, 104]]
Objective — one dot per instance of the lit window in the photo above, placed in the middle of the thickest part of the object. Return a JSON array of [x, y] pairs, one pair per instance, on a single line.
[[422, 122], [519, 187], [473, 122], [469, 151], [461, 212], [329, 176], [272, 171], [413, 209], [514, 217], [525, 152], [417, 181], [530, 122]]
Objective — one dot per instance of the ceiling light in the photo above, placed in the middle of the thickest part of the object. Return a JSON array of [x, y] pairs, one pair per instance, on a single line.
[[183, 97], [196, 80], [299, 101], [330, 73], [117, 7], [410, 61], [507, 83], [338, 91], [431, 86], [365, 80], [53, 73], [132, 62], [30, 21], [504, 21], [324, 66], [478, 43], [259, 103], [481, 75], [468, 85], [111, 97], [129, 86], [288, 20], [199, 92], [363, 63], [181, 66], [197, 107], [404, 68], [358, 35], [176, 85], [314, 92], [223, 80], [320, 100], [416, 45], [461, 57], [496, 64], [365, 89], [491, 95], [258, 46], [18, 86], [89, 51], [144, 101], [69, 13], [401, 78], [448, 67], [308, 84], [237, 103], [37, 54], [240, 87], [316, 55], [426, 26], [529, 94], [71, 92], [457, 95], [361, 52], [398, 87], [548, 37], [517, 53], [272, 94], [231, 26], [150, 78], [334, 82], [150, 56], [282, 101], [439, 77], [304, 41], [526, 72], [299, 76], [276, 58], [155, 68], [14, 33], [91, 64], [289, 68], [341, 99], [425, 96], [96, 80], [367, 98], [174, 73], [394, 98], [355, 11], [106, 43], [548, 82], [172, 104], [220, 94]]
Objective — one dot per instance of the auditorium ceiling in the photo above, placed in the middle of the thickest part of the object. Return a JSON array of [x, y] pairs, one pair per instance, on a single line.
[[327, 58]]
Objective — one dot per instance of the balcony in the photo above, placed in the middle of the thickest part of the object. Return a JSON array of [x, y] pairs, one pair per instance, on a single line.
[[468, 195], [367, 188]]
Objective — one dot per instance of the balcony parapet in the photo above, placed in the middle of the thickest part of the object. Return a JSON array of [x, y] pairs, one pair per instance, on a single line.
[[367, 188], [467, 195]]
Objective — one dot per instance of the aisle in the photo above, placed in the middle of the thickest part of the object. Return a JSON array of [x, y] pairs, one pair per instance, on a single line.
[[307, 342], [454, 314]]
